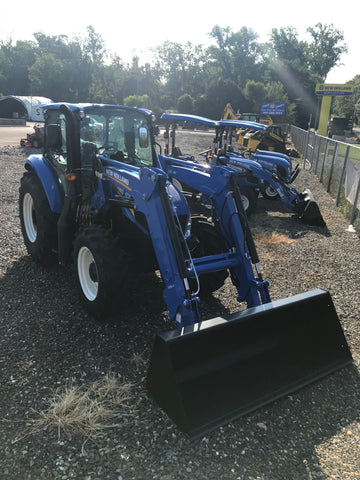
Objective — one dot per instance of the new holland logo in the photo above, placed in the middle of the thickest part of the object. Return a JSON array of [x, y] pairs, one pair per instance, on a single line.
[[117, 176]]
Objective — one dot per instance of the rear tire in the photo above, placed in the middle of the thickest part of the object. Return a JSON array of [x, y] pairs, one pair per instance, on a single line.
[[38, 222], [102, 268], [209, 242]]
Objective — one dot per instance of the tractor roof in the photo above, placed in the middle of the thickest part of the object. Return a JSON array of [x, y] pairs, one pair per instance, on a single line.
[[182, 117], [242, 124], [91, 106]]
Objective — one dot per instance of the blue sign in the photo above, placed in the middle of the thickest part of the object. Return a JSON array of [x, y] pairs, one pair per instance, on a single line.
[[274, 108]]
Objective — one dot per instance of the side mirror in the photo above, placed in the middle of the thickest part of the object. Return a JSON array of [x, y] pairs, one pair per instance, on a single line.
[[143, 137], [53, 136]]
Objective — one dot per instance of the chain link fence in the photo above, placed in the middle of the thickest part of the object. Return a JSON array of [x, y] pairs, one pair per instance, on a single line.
[[337, 166]]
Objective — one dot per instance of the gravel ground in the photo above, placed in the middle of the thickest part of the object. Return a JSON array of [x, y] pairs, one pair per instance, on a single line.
[[48, 344]]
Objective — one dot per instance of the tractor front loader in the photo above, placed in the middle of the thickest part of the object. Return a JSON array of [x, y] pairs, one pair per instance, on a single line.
[[270, 173], [277, 162], [277, 176], [98, 198]]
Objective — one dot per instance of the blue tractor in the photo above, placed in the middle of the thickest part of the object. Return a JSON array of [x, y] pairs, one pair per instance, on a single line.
[[98, 198], [276, 162], [270, 173]]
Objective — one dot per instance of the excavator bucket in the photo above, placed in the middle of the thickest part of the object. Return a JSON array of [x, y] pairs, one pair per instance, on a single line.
[[211, 373], [308, 210]]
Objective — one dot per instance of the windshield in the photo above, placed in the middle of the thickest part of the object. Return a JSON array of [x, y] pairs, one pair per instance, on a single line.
[[119, 134]]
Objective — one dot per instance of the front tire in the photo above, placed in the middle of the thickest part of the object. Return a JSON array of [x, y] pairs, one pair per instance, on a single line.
[[269, 192], [38, 222], [249, 200], [102, 268], [207, 241]]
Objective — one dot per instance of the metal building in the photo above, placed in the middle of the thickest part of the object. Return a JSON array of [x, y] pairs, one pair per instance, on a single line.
[[27, 108]]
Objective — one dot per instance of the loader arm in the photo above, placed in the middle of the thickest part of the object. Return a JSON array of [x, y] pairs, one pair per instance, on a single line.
[[146, 187], [220, 184], [302, 204], [177, 169], [288, 194]]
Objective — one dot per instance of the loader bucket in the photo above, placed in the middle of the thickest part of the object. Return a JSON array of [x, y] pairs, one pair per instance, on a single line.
[[311, 215], [206, 375], [308, 210]]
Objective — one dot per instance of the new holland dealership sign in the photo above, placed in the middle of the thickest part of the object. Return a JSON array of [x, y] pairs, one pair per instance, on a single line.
[[327, 91], [333, 89]]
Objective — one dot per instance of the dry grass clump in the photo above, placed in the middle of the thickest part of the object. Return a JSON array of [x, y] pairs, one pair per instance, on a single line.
[[266, 240], [89, 411]]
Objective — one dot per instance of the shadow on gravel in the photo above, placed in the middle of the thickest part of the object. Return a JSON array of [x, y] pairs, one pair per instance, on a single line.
[[274, 216], [299, 437], [47, 341], [42, 307]]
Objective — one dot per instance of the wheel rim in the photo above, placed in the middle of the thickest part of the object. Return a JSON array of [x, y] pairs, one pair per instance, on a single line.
[[88, 274], [29, 217], [271, 192], [245, 201]]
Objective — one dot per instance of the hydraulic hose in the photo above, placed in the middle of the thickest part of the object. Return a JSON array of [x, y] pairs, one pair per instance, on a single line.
[[244, 221]]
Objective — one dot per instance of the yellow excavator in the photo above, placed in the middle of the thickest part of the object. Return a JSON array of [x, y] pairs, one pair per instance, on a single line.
[[253, 136], [229, 114]]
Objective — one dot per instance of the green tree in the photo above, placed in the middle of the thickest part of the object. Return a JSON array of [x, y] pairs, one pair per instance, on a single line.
[[56, 45], [236, 69], [76, 66], [200, 106], [94, 46], [299, 65], [256, 94], [180, 68], [96, 53], [140, 101], [238, 55], [287, 45], [185, 104], [15, 61], [220, 92], [325, 51], [47, 77], [109, 87], [348, 105], [288, 63], [140, 80]]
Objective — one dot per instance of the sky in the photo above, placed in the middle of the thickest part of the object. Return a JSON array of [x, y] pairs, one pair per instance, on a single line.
[[132, 27]]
